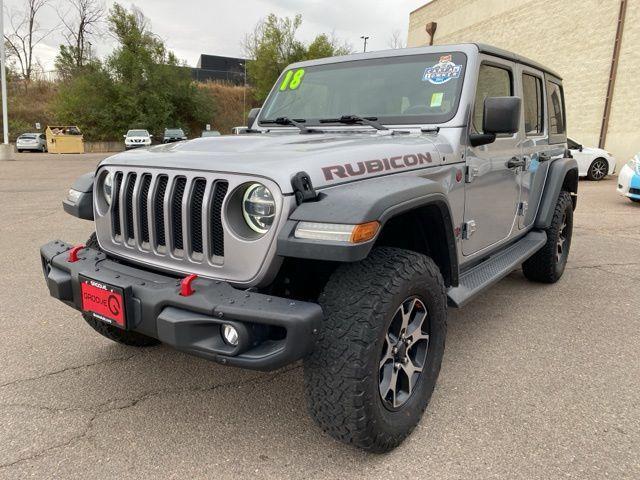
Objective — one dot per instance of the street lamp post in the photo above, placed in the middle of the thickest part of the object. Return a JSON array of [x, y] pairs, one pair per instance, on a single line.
[[244, 91], [365, 38], [3, 78]]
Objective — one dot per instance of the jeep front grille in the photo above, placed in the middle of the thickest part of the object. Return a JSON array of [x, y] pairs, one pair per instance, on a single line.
[[183, 221], [169, 214]]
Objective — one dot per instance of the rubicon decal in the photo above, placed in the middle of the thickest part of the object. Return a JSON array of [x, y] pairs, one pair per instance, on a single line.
[[376, 166]]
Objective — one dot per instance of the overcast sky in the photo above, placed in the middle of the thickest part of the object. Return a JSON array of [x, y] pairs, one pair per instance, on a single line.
[[192, 27]]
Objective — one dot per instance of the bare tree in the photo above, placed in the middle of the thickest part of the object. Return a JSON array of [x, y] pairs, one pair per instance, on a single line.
[[83, 20], [24, 34], [396, 40]]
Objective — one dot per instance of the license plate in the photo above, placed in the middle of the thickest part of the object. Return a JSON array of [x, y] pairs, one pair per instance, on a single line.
[[105, 302]]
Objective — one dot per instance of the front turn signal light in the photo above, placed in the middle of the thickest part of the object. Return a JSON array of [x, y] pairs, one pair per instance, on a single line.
[[337, 232], [364, 232]]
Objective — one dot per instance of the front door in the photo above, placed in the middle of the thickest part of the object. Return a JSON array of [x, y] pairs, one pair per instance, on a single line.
[[492, 191]]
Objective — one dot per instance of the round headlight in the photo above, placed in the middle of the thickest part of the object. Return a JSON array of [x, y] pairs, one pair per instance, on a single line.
[[258, 207], [107, 187]]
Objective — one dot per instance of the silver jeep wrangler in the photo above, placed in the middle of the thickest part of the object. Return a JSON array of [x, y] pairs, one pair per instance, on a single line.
[[372, 192]]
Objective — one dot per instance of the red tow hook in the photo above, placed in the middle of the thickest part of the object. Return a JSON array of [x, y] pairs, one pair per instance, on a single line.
[[185, 285], [73, 253]]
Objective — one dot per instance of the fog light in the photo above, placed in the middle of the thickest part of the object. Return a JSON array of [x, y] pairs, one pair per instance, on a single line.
[[230, 335]]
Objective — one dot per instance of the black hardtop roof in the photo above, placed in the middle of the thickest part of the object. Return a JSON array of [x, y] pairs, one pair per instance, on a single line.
[[506, 54], [464, 47]]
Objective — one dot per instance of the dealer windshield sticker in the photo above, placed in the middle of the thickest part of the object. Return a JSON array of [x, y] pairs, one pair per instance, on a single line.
[[442, 72], [436, 99], [292, 80]]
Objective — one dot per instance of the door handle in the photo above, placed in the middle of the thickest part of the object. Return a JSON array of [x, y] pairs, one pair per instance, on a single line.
[[516, 162]]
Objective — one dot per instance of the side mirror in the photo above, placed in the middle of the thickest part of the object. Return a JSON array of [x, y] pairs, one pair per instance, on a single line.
[[501, 115], [150, 135], [253, 115], [580, 147], [124, 136]]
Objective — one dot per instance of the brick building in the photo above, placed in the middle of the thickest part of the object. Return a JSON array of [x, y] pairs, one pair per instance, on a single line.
[[576, 38]]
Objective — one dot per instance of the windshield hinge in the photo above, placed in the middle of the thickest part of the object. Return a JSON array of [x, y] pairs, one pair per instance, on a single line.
[[303, 188]]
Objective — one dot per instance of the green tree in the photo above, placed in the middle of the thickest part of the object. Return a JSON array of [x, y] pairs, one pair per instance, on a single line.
[[273, 45], [140, 85]]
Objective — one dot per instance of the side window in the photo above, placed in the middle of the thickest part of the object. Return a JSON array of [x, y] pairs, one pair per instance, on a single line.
[[492, 82], [556, 109], [532, 104]]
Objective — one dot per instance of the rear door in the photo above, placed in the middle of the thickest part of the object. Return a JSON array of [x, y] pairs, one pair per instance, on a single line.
[[535, 143], [492, 191]]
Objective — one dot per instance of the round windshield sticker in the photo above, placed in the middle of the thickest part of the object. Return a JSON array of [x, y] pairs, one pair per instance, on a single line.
[[442, 72]]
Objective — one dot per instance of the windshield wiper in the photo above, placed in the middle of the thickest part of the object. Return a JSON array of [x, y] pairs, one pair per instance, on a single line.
[[289, 121], [356, 120]]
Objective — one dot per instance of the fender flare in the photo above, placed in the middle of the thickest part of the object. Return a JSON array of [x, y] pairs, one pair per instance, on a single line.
[[378, 199], [83, 207], [563, 175]]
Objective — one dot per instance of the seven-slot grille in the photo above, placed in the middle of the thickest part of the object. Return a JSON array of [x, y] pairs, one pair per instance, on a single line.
[[162, 213]]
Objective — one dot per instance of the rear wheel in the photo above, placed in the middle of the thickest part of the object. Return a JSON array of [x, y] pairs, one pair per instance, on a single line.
[[126, 337], [598, 169], [548, 264], [378, 353]]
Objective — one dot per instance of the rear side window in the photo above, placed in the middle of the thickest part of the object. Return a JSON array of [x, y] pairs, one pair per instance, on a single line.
[[492, 82], [555, 101], [532, 104]]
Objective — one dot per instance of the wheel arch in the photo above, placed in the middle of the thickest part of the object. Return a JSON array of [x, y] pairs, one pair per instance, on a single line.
[[562, 176], [396, 202]]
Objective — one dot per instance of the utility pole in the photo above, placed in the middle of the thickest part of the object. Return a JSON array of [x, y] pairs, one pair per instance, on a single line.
[[244, 91], [3, 78], [365, 38]]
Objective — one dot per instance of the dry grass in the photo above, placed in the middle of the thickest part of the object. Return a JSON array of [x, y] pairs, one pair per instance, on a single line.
[[31, 105], [229, 100]]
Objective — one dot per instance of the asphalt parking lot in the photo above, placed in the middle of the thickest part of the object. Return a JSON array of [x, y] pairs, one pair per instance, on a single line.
[[537, 381]]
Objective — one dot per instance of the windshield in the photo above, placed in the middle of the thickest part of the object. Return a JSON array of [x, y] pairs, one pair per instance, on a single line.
[[174, 131], [413, 89], [137, 133]]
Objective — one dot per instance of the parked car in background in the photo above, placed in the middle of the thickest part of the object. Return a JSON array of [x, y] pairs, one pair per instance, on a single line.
[[593, 163], [210, 133], [32, 141], [173, 135], [137, 138], [629, 179], [239, 130]]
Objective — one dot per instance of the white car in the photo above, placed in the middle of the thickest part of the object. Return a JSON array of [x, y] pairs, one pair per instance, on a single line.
[[629, 179], [137, 138], [593, 163], [32, 141]]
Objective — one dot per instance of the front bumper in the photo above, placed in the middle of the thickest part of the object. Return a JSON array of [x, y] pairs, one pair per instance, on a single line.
[[629, 183], [284, 330]]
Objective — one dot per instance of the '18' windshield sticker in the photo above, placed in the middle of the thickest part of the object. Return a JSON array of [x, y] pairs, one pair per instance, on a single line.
[[292, 80], [436, 99], [442, 72]]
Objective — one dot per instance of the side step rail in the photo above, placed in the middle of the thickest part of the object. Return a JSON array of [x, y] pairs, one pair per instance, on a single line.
[[496, 267]]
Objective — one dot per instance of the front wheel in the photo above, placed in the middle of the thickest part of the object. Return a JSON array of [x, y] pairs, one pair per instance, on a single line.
[[548, 263], [378, 353], [598, 169]]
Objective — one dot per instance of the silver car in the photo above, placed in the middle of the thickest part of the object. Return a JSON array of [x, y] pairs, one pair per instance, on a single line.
[[32, 141]]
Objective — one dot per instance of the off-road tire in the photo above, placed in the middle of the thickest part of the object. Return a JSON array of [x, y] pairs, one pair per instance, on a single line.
[[595, 174], [545, 266], [125, 337], [342, 373]]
